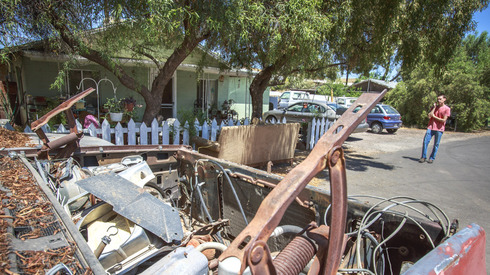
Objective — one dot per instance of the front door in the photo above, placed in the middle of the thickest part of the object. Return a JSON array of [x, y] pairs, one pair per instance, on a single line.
[[167, 106]]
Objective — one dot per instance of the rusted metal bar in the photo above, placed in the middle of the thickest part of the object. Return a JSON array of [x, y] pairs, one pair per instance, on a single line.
[[275, 204], [62, 107], [259, 182], [71, 144]]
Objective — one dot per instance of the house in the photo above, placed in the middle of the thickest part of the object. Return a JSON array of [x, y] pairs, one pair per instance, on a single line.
[[373, 85], [32, 72]]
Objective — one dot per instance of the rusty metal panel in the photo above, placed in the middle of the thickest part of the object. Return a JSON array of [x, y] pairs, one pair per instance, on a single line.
[[256, 144], [463, 253]]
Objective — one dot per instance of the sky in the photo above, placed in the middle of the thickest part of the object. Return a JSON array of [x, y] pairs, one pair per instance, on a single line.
[[483, 20]]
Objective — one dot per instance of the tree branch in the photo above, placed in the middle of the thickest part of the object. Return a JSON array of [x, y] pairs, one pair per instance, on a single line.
[[151, 57]]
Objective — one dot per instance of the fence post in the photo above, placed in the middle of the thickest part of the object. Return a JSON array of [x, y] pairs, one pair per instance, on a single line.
[[143, 134], [205, 130], [176, 128], [79, 125], [106, 130], [154, 132], [197, 127], [185, 136], [131, 132], [46, 128], [92, 130], [119, 134], [312, 133], [322, 126], [165, 133], [61, 129], [214, 129]]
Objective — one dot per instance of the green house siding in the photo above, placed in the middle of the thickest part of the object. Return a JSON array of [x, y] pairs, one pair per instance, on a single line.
[[186, 90], [40, 71], [38, 77]]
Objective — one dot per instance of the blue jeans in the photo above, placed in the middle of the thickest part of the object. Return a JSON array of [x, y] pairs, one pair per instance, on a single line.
[[428, 136]]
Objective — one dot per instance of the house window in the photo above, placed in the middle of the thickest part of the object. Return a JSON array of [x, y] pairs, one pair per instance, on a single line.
[[75, 80], [207, 94]]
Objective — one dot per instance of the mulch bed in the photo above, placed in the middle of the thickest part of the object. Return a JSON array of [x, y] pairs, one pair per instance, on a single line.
[[13, 139], [28, 213]]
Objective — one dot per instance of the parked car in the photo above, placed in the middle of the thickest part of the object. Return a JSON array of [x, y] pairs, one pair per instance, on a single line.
[[291, 97], [301, 112], [384, 116], [346, 101]]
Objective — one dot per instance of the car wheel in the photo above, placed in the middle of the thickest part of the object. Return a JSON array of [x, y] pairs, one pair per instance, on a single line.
[[391, 131], [376, 127], [271, 120]]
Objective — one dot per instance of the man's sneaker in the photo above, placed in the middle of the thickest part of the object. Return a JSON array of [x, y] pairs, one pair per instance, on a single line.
[[430, 161], [422, 160]]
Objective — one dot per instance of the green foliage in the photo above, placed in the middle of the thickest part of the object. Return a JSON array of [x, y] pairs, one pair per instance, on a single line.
[[114, 105], [462, 81], [184, 115], [52, 103]]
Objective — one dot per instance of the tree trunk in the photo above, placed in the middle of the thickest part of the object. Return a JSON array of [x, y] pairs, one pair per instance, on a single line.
[[165, 76], [257, 88]]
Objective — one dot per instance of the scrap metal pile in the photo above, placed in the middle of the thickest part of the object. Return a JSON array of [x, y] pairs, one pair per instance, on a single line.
[[171, 210]]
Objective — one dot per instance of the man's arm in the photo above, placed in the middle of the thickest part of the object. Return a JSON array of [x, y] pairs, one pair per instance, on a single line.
[[443, 119], [431, 113]]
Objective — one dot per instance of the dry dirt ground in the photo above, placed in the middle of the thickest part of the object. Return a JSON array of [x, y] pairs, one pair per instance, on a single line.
[[369, 144]]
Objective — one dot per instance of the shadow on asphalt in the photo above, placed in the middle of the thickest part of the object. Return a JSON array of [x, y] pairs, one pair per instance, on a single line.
[[411, 158], [356, 162], [350, 138]]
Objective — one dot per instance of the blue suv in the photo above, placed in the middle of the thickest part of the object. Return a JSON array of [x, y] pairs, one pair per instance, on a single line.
[[384, 117]]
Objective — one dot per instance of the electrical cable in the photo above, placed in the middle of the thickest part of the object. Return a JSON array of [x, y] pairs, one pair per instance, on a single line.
[[425, 203], [368, 215], [402, 223], [355, 270], [229, 182]]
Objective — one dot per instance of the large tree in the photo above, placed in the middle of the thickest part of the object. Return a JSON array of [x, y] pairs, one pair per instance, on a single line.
[[283, 38], [102, 30], [464, 80]]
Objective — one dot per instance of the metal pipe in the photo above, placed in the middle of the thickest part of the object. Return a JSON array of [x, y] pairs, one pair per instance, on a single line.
[[211, 245]]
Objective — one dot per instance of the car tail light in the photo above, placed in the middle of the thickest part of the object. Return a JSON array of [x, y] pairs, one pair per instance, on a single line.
[[386, 117]]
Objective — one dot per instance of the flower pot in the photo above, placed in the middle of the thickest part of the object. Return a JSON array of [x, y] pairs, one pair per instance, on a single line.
[[129, 106], [116, 117]]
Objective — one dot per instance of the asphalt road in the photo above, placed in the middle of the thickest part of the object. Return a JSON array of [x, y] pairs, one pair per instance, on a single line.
[[458, 181]]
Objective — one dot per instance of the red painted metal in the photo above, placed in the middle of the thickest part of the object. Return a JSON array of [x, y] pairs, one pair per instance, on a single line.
[[463, 253]]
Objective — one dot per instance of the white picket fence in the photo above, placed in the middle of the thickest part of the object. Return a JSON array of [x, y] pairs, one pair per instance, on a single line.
[[172, 132], [166, 133], [316, 128]]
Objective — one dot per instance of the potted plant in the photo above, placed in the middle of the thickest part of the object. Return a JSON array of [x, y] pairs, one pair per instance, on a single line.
[[129, 103], [115, 107]]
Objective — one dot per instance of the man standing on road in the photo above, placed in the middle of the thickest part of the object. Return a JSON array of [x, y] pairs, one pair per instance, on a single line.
[[437, 122]]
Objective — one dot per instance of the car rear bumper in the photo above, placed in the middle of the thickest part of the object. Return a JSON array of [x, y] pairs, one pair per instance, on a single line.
[[392, 125]]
